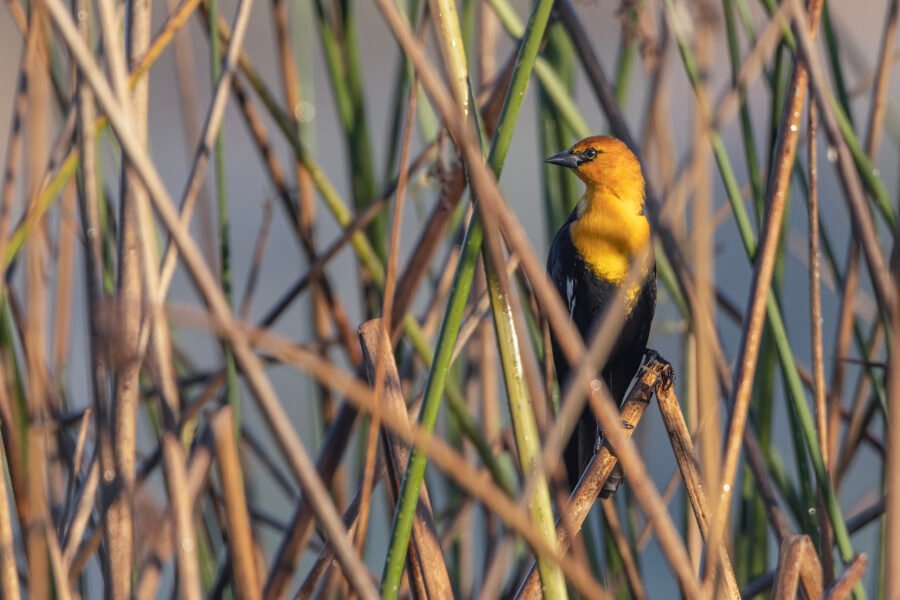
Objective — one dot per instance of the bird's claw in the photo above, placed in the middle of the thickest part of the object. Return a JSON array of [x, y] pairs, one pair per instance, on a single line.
[[665, 372], [652, 356]]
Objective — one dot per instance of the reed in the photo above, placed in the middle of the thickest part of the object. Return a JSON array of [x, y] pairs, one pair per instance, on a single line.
[[183, 362]]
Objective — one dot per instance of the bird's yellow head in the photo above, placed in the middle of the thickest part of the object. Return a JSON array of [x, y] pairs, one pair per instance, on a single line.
[[605, 164], [610, 229]]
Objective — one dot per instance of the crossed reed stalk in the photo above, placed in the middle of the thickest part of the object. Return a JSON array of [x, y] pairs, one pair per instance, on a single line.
[[83, 509]]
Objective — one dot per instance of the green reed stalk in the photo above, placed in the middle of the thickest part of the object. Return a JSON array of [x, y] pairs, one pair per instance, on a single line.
[[400, 87], [559, 192], [231, 379], [341, 49], [834, 60], [552, 580], [525, 430], [551, 83]]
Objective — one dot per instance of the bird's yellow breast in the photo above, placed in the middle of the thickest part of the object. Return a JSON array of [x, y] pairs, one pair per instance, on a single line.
[[610, 234]]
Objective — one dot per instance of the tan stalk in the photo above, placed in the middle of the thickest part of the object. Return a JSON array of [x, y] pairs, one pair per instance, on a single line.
[[240, 535]]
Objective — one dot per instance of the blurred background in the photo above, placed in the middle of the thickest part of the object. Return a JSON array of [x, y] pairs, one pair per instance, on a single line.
[[639, 32]]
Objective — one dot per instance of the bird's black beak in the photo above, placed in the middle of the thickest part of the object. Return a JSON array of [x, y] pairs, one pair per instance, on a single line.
[[564, 159]]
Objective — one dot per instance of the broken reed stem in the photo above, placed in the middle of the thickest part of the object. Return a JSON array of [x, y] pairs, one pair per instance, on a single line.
[[378, 381], [239, 534], [425, 558], [326, 556], [797, 558], [843, 585], [197, 471], [702, 247], [185, 542], [787, 575]]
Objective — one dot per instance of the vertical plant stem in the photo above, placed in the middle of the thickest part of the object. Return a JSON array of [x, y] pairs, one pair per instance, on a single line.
[[751, 152], [686, 457], [450, 324], [703, 241], [93, 233], [118, 470], [382, 360], [186, 79], [891, 548], [815, 322], [9, 576], [427, 574], [155, 326], [524, 425], [453, 49], [559, 191], [224, 230], [33, 334], [240, 536], [832, 46], [890, 554], [64, 285], [340, 45]]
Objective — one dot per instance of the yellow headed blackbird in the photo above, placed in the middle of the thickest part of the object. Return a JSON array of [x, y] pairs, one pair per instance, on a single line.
[[590, 259]]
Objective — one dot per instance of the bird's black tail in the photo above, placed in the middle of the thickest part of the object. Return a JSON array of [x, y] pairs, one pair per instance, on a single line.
[[581, 448]]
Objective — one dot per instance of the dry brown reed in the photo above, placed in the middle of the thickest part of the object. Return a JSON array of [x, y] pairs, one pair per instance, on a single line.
[[145, 480]]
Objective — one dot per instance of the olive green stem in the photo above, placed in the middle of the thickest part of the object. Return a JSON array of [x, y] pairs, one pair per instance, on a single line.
[[554, 586]]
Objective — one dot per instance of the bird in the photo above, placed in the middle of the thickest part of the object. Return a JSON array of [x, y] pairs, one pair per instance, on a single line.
[[590, 258]]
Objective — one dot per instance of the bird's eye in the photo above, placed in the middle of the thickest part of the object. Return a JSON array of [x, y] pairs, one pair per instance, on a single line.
[[590, 154]]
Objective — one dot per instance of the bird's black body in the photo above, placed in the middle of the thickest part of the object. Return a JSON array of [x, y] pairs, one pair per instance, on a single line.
[[586, 295]]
